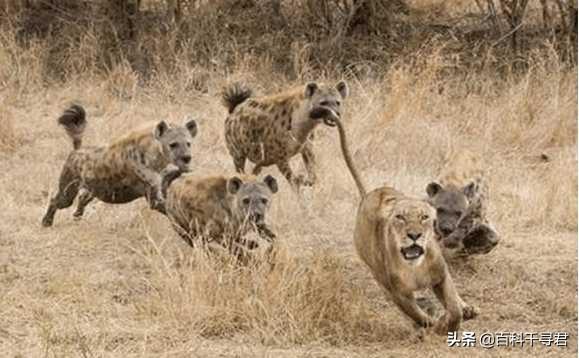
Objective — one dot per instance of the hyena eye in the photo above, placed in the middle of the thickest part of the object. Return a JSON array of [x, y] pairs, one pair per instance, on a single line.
[[173, 145], [338, 103], [264, 201], [324, 103], [246, 201], [188, 144]]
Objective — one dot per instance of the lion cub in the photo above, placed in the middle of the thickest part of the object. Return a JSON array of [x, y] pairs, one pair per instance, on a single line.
[[460, 199], [219, 210]]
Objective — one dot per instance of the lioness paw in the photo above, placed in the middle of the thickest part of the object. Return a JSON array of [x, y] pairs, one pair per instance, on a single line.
[[469, 312], [443, 326]]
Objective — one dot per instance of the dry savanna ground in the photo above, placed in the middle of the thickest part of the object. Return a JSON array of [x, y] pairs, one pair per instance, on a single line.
[[120, 283]]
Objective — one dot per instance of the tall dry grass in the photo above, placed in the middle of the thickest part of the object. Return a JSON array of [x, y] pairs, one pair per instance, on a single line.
[[511, 120], [8, 137], [120, 283], [94, 37], [289, 300]]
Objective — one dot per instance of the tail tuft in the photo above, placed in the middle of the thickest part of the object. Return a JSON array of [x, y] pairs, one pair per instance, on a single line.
[[234, 95], [74, 122]]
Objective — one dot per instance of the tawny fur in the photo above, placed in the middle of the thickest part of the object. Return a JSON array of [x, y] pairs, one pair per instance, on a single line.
[[385, 217], [388, 222]]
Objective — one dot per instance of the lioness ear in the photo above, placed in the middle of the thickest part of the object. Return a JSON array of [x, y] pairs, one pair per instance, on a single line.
[[271, 183], [311, 88], [432, 189], [233, 185], [191, 126], [160, 129], [470, 190], [342, 87]]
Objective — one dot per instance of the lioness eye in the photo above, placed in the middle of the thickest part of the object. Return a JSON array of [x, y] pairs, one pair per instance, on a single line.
[[400, 217], [246, 201], [424, 217]]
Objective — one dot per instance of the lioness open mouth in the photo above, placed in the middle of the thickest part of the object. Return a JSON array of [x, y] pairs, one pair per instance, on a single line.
[[412, 252]]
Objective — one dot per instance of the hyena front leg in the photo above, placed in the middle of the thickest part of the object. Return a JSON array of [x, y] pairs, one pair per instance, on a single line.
[[168, 175], [285, 169], [83, 200], [239, 163], [152, 181], [310, 164]]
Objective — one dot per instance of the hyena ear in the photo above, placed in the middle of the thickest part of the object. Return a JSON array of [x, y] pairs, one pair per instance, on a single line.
[[271, 183], [433, 188], [343, 89], [470, 190], [311, 88], [160, 129], [191, 126], [233, 185]]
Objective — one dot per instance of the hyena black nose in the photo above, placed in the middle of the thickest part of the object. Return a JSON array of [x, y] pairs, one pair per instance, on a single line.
[[445, 230], [257, 217], [186, 159], [414, 236]]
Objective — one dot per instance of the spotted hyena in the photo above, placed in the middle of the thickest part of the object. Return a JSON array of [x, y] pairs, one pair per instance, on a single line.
[[219, 210], [460, 198], [125, 170], [272, 129]]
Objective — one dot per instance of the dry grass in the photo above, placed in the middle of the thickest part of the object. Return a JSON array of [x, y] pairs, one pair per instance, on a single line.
[[120, 283], [8, 137]]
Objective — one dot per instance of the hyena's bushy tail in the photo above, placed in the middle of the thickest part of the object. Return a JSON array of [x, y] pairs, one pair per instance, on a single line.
[[74, 122], [234, 95]]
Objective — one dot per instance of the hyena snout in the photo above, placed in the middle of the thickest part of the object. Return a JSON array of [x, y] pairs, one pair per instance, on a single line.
[[445, 228], [184, 162], [257, 218], [451, 242]]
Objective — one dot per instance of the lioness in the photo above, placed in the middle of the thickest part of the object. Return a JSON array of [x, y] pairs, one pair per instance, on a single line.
[[395, 237]]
